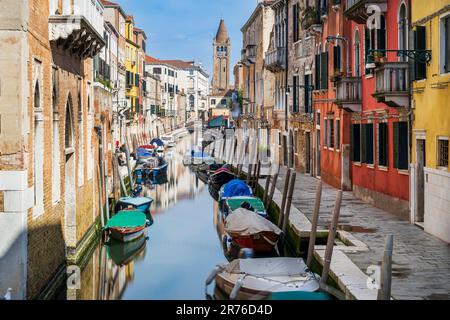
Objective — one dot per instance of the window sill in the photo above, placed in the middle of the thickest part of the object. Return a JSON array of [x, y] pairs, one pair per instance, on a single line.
[[369, 76], [383, 168], [370, 166], [403, 172], [358, 164], [442, 168]]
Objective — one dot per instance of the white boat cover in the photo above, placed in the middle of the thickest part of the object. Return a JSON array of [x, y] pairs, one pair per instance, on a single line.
[[246, 222], [268, 267]]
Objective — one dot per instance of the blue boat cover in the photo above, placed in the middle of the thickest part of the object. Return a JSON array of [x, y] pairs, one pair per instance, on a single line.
[[137, 201], [141, 152], [200, 155], [158, 142], [237, 188]]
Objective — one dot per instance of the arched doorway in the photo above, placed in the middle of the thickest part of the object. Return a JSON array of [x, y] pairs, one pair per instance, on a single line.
[[69, 179]]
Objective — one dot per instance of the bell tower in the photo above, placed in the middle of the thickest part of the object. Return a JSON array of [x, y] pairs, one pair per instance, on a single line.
[[221, 59]]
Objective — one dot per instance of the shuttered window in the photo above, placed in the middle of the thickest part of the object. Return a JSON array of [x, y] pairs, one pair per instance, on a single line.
[[338, 134], [367, 143], [420, 68], [445, 45], [324, 71], [295, 22], [331, 133], [295, 96], [383, 144], [355, 143], [317, 72], [337, 58], [381, 35], [401, 145], [308, 94]]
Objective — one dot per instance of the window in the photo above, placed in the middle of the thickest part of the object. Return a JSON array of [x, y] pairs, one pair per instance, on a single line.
[[56, 174], [296, 22], [331, 132], [38, 154], [367, 143], [223, 102], [383, 144], [420, 68], [213, 101], [401, 145], [338, 134], [443, 152], [325, 133], [355, 143], [445, 44], [337, 58], [308, 94], [156, 70], [321, 71], [356, 54], [402, 30], [295, 95]]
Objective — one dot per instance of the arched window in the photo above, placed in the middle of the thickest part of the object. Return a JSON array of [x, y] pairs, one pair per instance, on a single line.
[[356, 53], [402, 30], [38, 147], [56, 170], [80, 141], [68, 136]]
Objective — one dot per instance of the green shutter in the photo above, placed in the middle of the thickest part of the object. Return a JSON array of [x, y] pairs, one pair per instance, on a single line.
[[395, 140], [324, 70], [363, 143], [403, 145], [369, 143], [420, 44]]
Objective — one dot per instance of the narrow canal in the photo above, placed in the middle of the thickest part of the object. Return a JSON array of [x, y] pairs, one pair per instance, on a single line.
[[181, 249]]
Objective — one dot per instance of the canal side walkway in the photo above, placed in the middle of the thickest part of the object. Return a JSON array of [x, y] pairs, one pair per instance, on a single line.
[[421, 262]]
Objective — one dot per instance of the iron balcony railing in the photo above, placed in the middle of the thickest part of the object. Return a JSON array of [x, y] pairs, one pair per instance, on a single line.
[[349, 94], [393, 83]]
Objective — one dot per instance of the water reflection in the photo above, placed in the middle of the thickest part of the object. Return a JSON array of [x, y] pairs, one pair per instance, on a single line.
[[177, 254]]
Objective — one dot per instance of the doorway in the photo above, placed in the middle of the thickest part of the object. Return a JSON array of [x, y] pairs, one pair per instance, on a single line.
[[308, 152], [420, 186]]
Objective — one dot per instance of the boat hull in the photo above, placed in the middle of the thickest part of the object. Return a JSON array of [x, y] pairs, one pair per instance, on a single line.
[[127, 234], [263, 242]]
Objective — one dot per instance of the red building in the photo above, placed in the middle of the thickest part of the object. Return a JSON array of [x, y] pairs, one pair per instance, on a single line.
[[332, 147], [377, 93]]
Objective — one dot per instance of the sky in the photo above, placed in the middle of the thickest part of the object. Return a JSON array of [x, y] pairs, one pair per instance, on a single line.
[[184, 29]]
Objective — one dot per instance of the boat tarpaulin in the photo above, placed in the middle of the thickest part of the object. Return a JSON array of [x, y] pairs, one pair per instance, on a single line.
[[127, 219], [158, 142], [237, 188], [237, 202], [135, 201], [141, 152], [268, 267], [245, 222]]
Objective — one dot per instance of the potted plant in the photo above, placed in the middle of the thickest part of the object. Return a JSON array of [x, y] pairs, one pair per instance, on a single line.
[[379, 57], [310, 17], [336, 76]]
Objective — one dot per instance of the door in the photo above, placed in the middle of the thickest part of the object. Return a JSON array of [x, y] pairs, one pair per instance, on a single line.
[[421, 161], [318, 147], [308, 152]]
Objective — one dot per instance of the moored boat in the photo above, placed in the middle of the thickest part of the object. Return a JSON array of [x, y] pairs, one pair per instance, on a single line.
[[123, 253], [141, 204], [250, 203], [126, 226], [247, 229], [253, 279]]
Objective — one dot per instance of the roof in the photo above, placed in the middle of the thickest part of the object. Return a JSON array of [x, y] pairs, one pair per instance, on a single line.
[[138, 30], [110, 4], [177, 64], [222, 33], [264, 3]]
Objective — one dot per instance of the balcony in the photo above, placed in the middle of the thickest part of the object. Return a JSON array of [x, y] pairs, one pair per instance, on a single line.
[[392, 84], [276, 60], [79, 29], [311, 20], [356, 10], [248, 55], [348, 94]]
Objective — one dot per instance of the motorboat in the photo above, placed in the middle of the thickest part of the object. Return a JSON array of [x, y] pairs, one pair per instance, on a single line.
[[258, 278], [247, 229], [169, 141], [141, 204], [251, 203], [122, 253], [159, 145]]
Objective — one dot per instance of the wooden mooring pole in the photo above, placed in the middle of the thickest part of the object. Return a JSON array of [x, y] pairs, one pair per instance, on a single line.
[[384, 292], [287, 210], [314, 222], [331, 238], [283, 201], [272, 188], [127, 152], [267, 186]]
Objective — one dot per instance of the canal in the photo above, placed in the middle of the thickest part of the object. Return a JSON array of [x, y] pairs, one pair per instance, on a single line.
[[181, 249]]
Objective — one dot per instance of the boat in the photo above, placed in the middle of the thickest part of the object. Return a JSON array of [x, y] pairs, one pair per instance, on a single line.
[[234, 188], [149, 168], [159, 145], [141, 204], [250, 203], [122, 253], [142, 154], [127, 225], [247, 229], [169, 141], [258, 278], [195, 158], [221, 177]]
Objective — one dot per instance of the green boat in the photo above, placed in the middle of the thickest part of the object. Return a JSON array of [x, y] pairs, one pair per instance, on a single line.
[[123, 253], [251, 203], [126, 226], [299, 295]]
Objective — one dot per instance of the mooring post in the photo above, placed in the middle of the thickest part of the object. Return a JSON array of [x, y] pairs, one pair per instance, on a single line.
[[283, 201], [331, 238], [384, 292], [287, 211], [272, 187], [315, 219], [267, 186], [127, 153], [258, 173]]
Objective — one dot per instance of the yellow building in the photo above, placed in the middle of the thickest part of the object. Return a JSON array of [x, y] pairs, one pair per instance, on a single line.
[[430, 171], [131, 64]]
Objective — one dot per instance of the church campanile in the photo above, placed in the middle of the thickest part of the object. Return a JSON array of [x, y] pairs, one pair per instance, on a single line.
[[221, 59]]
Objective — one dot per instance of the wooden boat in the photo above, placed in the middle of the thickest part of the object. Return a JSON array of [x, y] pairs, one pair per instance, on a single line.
[[250, 203], [123, 253], [126, 226], [247, 229], [235, 188], [221, 176], [253, 279], [141, 204]]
